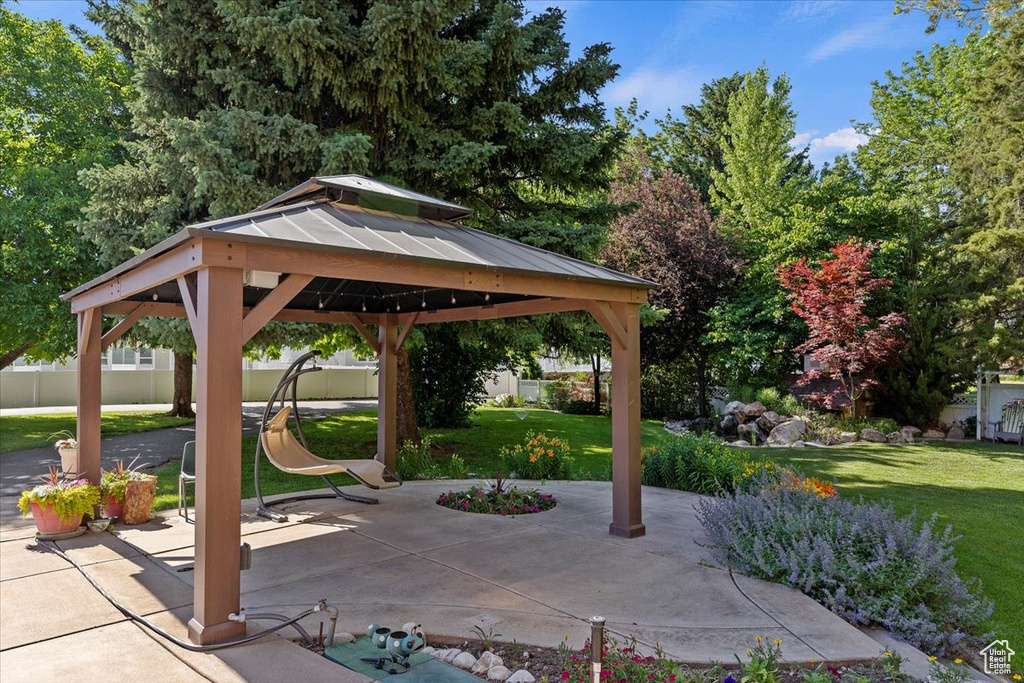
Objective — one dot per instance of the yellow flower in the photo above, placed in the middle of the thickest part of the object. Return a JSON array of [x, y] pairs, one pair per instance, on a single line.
[[888, 653], [757, 639], [814, 661], [932, 658], [778, 641], [958, 661], [750, 653], [1016, 677]]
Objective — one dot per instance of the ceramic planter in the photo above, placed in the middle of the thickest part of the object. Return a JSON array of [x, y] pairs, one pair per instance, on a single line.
[[68, 461], [112, 507], [49, 522]]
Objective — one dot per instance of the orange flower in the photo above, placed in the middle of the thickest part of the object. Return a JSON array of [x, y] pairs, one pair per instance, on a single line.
[[551, 454], [533, 458]]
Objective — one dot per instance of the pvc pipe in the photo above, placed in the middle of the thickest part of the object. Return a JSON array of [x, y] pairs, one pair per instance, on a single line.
[[332, 612], [596, 647]]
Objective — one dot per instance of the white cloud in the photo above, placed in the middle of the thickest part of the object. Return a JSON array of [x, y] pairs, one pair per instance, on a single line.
[[656, 89], [879, 32], [800, 140], [841, 141]]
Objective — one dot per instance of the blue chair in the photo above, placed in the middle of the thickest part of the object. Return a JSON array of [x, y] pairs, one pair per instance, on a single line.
[[187, 476]]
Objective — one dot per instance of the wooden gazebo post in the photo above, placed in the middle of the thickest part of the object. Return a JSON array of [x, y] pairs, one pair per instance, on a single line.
[[89, 397], [387, 392], [217, 326]]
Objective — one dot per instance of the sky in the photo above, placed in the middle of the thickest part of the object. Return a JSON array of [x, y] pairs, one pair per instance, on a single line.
[[831, 50]]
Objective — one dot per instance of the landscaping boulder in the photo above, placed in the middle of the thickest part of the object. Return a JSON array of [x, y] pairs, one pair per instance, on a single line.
[[521, 676], [750, 411], [872, 435], [750, 432], [733, 407], [934, 434], [769, 420], [340, 638], [955, 433], [498, 673], [464, 661], [895, 438], [728, 426], [740, 443], [487, 661], [787, 433], [910, 434]]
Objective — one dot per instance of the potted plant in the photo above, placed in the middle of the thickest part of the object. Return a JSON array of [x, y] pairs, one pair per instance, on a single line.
[[67, 446], [59, 504], [128, 494]]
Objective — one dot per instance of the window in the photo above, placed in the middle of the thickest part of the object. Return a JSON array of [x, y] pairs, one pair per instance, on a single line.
[[127, 358], [146, 358]]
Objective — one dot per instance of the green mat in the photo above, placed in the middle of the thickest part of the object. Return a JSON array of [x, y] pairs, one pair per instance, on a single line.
[[423, 669]]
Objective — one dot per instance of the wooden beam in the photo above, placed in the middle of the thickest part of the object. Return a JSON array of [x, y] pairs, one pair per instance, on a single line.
[[166, 309], [89, 376], [602, 312], [218, 333], [123, 325], [272, 304], [387, 393], [511, 309], [354, 321], [189, 298], [164, 268], [627, 519], [375, 267], [407, 326]]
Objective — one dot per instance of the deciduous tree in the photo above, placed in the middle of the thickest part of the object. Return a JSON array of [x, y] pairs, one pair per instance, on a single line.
[[832, 300]]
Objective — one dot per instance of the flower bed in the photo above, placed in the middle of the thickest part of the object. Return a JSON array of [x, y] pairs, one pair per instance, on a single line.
[[495, 501]]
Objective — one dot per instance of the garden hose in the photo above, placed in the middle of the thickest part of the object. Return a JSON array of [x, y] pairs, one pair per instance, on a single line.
[[174, 639]]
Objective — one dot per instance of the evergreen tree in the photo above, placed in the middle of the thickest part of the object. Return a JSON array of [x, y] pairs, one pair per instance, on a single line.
[[470, 101]]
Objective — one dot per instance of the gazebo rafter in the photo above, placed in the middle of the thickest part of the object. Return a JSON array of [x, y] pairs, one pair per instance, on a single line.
[[372, 245]]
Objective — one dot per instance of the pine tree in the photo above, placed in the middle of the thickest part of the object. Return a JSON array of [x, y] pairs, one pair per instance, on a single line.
[[470, 101]]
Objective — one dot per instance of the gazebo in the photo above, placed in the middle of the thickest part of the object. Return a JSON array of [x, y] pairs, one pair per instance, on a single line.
[[347, 250]]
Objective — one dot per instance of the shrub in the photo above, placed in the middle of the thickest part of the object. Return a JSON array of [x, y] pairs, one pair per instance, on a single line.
[[668, 391], [538, 457], [417, 462], [859, 560], [557, 394], [773, 400], [580, 407], [493, 501], [692, 463], [505, 400]]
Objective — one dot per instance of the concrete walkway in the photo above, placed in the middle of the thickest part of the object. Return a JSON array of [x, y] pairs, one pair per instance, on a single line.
[[536, 578], [20, 470]]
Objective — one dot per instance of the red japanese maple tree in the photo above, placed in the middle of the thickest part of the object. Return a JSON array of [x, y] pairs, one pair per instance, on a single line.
[[847, 342]]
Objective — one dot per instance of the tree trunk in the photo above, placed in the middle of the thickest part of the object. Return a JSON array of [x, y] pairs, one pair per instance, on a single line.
[[13, 354], [408, 428], [701, 361], [181, 403], [595, 364]]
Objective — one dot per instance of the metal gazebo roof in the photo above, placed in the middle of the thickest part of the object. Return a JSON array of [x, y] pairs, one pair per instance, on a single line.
[[335, 215]]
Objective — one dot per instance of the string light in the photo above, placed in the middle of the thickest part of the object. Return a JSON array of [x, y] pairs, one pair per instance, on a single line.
[[364, 305], [398, 305], [320, 303], [453, 296], [155, 296], [487, 296]]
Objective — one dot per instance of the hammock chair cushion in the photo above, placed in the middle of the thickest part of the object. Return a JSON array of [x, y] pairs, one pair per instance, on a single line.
[[288, 455]]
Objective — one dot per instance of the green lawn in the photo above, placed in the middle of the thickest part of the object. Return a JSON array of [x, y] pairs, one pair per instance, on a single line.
[[978, 488], [21, 432], [354, 435]]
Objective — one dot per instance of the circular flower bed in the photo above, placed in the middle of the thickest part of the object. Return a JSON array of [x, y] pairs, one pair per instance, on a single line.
[[497, 501]]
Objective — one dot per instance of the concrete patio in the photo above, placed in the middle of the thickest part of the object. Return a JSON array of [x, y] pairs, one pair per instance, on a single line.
[[536, 578]]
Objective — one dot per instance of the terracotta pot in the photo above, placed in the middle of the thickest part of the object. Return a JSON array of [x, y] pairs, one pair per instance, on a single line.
[[49, 522], [112, 507], [138, 501], [68, 461]]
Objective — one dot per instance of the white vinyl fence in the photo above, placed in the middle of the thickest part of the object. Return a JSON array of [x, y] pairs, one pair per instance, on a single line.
[[58, 388]]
